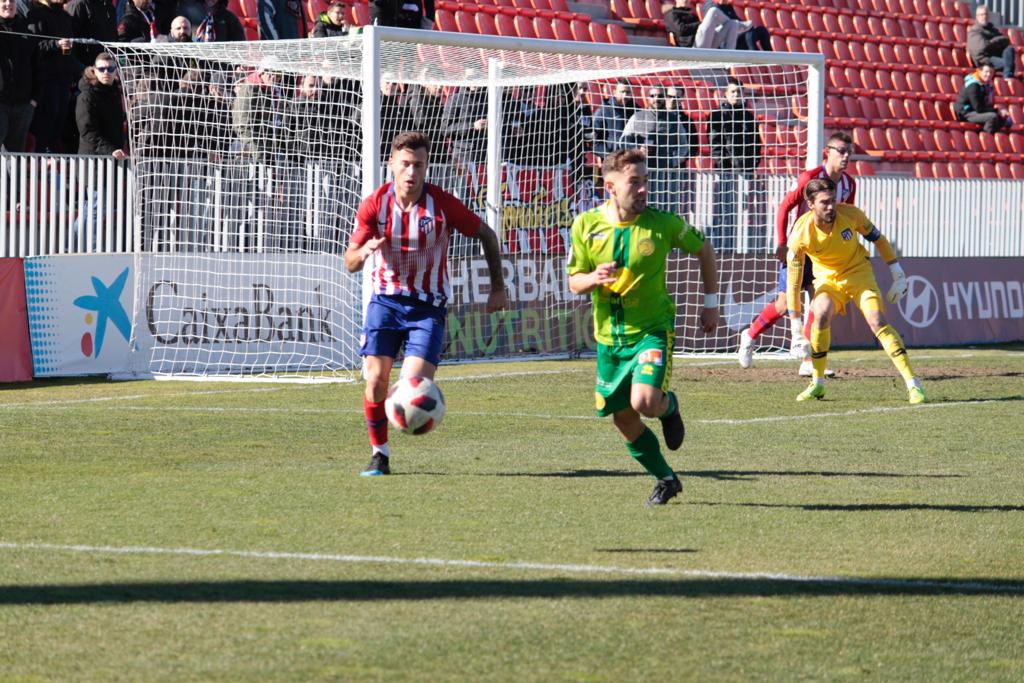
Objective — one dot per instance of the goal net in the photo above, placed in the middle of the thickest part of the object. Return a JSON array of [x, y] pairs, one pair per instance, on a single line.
[[250, 161]]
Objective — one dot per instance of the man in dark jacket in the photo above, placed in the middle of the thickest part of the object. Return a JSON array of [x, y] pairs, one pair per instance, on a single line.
[[96, 19], [680, 21], [986, 43], [58, 70], [611, 118], [465, 123], [18, 78], [212, 21], [736, 151], [98, 111], [401, 13], [331, 23], [145, 20], [975, 104]]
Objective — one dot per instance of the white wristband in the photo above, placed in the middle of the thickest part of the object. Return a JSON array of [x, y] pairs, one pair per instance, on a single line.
[[710, 301], [897, 271]]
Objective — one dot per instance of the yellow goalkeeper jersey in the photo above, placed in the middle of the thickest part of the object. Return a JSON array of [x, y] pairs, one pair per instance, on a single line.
[[838, 252]]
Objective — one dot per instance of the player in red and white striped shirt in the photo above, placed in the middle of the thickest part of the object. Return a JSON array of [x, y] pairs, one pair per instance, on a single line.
[[403, 230], [838, 149]]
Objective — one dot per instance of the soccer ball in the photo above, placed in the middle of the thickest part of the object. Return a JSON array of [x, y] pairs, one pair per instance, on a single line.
[[415, 405]]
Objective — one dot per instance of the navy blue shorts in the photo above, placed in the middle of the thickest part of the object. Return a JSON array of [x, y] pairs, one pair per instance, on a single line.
[[393, 320], [806, 282]]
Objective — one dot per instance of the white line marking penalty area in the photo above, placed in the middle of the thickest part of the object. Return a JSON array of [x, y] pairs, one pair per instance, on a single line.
[[583, 569]]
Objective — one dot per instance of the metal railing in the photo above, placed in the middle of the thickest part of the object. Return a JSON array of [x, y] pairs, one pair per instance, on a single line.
[[1012, 11], [86, 204]]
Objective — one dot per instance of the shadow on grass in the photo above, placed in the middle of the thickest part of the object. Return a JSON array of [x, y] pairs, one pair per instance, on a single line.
[[372, 591], [671, 551], [724, 475], [867, 507]]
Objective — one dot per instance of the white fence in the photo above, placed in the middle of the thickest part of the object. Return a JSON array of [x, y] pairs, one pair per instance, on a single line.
[[85, 204]]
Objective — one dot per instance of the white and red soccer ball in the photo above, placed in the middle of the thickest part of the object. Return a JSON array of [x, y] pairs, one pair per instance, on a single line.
[[414, 405]]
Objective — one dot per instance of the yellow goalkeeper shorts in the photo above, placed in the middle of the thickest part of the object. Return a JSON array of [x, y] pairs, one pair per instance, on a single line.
[[858, 286]]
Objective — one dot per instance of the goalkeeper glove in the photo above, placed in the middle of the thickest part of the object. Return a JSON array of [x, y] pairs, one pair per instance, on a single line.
[[899, 284], [799, 347]]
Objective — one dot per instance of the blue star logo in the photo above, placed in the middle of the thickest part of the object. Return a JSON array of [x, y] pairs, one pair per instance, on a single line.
[[107, 305]]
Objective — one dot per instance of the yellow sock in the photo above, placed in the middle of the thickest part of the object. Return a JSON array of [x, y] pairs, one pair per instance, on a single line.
[[893, 344], [821, 340]]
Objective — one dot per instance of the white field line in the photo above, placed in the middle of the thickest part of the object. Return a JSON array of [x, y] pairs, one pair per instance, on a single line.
[[57, 405], [969, 586], [130, 397]]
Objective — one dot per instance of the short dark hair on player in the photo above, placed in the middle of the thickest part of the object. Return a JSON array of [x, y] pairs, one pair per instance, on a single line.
[[818, 185], [839, 136], [620, 158], [411, 140]]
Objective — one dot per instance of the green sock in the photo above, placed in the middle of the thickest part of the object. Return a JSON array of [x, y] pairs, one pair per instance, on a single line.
[[646, 451], [673, 405]]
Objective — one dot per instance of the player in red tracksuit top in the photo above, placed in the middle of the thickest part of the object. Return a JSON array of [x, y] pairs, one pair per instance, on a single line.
[[837, 154]]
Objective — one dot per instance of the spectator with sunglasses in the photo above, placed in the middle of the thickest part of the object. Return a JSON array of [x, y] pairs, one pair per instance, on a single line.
[[98, 111]]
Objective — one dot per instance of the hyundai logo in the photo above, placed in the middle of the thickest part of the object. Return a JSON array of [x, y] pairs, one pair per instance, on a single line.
[[920, 306]]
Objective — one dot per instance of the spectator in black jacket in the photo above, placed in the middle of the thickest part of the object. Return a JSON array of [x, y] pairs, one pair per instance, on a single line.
[[736, 151], [98, 112], [96, 19], [58, 71], [145, 20], [212, 21], [465, 123], [680, 21], [403, 13], [426, 113], [976, 102], [18, 78], [986, 43], [331, 23]]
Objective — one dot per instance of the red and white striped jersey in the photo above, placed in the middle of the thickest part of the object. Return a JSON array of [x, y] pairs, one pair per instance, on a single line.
[[846, 192], [414, 256]]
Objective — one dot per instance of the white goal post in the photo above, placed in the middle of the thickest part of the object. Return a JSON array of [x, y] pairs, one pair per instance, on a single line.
[[250, 160]]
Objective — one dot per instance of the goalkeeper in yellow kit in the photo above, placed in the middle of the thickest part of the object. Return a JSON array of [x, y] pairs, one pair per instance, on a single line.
[[827, 234], [619, 252]]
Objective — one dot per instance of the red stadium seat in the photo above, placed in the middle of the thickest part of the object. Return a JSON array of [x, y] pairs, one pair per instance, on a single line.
[[445, 21], [654, 10], [542, 28], [465, 21], [562, 29], [785, 18], [898, 109], [617, 34], [863, 168], [873, 53], [876, 137], [837, 77], [506, 25], [485, 24], [1017, 170], [580, 31], [638, 9], [923, 169], [794, 44], [362, 14], [809, 45], [987, 171], [524, 26], [842, 50], [958, 170], [827, 48], [1002, 143], [940, 169], [834, 106], [599, 32], [878, 27], [871, 113], [620, 9], [1003, 170], [888, 53], [830, 23], [779, 43], [1017, 142], [853, 107]]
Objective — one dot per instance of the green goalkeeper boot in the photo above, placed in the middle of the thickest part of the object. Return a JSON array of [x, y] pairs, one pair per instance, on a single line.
[[814, 390]]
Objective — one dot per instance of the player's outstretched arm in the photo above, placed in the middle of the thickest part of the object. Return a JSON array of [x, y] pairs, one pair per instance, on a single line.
[[709, 317], [356, 254], [497, 300]]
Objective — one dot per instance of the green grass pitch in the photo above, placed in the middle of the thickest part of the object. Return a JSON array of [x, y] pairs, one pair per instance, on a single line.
[[854, 538]]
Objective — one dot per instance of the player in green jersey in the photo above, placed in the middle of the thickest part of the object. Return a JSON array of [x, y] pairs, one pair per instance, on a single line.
[[619, 250]]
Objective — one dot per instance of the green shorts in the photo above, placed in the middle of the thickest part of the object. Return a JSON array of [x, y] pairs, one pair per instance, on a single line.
[[649, 361]]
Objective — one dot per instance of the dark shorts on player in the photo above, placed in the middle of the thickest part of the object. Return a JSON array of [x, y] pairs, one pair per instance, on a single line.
[[805, 283], [649, 361], [393, 320]]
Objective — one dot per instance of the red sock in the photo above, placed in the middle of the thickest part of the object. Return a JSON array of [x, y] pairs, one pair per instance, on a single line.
[[765, 319], [376, 422], [807, 325]]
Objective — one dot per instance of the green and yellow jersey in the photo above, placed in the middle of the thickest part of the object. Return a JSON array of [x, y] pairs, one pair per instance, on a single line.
[[637, 303]]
